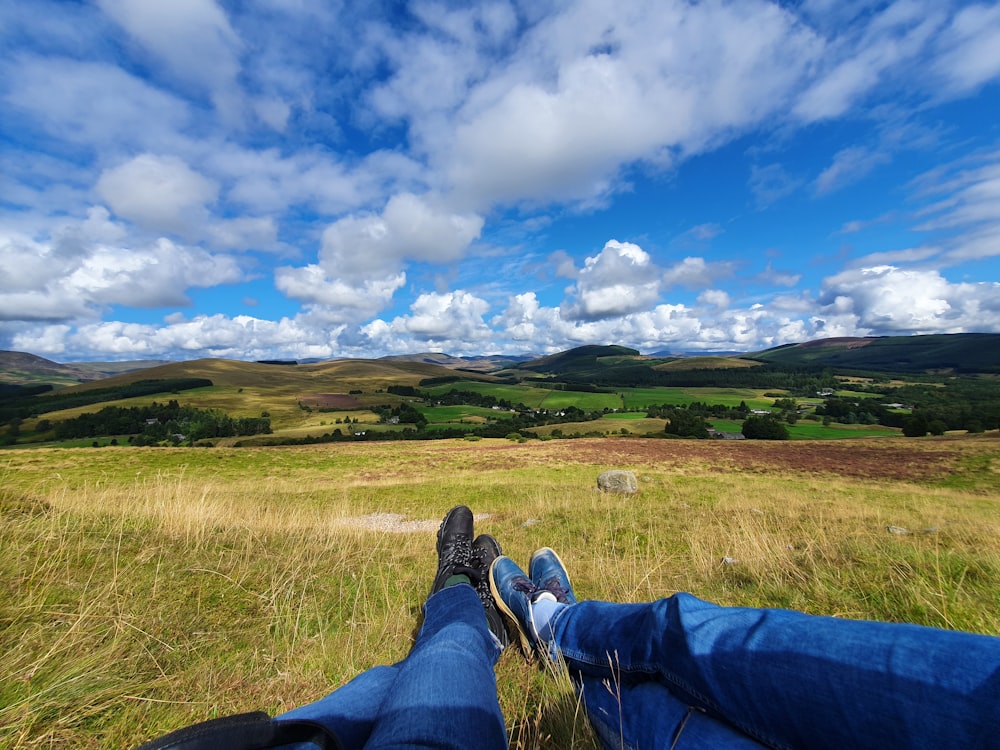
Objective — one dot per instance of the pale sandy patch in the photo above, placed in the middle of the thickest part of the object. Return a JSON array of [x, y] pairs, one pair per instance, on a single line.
[[394, 523]]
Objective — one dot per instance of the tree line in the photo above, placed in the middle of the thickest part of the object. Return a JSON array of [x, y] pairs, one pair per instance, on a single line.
[[157, 423]]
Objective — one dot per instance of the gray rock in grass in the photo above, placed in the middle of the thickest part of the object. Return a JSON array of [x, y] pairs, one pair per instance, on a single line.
[[618, 481]]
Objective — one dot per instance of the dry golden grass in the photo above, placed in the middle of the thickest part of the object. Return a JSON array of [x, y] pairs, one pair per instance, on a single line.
[[149, 588]]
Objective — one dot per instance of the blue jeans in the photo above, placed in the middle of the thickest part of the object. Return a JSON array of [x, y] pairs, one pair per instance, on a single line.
[[442, 695], [684, 673]]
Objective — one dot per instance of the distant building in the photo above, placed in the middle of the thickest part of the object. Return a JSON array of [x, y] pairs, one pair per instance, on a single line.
[[719, 435]]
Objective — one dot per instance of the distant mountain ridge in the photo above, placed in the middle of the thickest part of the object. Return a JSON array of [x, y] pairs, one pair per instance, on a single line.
[[481, 363], [19, 368], [939, 353]]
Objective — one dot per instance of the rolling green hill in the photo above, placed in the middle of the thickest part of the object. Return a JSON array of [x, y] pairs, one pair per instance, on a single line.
[[954, 352], [582, 357]]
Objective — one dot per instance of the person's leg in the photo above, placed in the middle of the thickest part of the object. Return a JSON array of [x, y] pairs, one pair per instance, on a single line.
[[638, 714], [350, 711], [625, 712], [786, 678], [443, 694]]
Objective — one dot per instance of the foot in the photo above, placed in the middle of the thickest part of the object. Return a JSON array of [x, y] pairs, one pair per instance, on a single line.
[[485, 550], [454, 548], [515, 595], [548, 573]]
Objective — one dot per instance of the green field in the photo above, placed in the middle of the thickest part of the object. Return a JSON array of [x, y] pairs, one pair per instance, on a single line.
[[445, 414], [640, 398], [621, 398], [809, 430], [523, 394]]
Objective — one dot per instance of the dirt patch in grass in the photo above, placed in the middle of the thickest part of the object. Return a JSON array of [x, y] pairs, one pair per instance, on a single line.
[[330, 401], [397, 523]]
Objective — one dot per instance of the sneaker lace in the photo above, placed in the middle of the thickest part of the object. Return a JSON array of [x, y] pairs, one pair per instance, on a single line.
[[554, 587], [524, 586]]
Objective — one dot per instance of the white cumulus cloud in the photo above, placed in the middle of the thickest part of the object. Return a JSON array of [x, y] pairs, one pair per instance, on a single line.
[[159, 193], [620, 279]]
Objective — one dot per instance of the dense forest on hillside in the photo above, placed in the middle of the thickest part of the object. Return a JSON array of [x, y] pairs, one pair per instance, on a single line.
[[27, 401]]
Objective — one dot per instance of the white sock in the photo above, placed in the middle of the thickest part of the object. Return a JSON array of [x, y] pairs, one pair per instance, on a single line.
[[542, 610]]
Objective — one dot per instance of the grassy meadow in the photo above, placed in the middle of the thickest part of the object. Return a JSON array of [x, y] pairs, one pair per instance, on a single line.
[[145, 589]]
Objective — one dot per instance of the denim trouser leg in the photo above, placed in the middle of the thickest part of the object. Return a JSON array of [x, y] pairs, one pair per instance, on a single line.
[[442, 695], [787, 679]]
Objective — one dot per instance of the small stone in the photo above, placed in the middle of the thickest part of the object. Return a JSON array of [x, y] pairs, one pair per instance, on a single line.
[[729, 561]]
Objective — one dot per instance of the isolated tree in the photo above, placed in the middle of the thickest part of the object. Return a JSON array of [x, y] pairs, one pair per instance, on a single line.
[[937, 427], [915, 426], [764, 427], [684, 423]]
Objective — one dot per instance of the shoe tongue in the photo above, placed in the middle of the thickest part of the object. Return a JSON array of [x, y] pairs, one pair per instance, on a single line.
[[544, 595]]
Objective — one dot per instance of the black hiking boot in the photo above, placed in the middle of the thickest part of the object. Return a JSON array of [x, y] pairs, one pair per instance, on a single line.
[[484, 551], [454, 548]]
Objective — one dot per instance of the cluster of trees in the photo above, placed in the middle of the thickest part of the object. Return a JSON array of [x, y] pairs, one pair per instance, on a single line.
[[157, 423], [31, 401], [709, 411], [456, 397], [691, 422], [859, 411], [684, 423], [403, 413], [764, 427], [971, 404]]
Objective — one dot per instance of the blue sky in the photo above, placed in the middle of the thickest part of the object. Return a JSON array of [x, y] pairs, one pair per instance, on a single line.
[[310, 178]]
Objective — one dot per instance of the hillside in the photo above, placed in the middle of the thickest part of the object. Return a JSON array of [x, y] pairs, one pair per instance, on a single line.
[[573, 360], [956, 352], [338, 375], [21, 368]]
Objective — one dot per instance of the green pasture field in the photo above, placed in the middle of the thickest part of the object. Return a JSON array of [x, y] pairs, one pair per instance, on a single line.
[[609, 424], [622, 398], [145, 589], [859, 394], [586, 401], [443, 414], [809, 430], [516, 394], [641, 398]]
